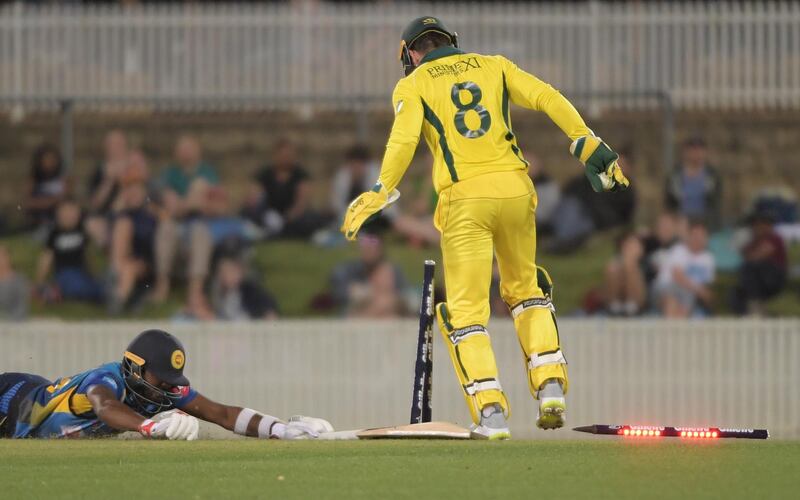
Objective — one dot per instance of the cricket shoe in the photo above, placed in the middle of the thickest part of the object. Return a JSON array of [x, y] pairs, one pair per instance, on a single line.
[[493, 425], [551, 406]]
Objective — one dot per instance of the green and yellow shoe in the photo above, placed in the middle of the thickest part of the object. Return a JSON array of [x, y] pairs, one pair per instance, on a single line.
[[551, 413]]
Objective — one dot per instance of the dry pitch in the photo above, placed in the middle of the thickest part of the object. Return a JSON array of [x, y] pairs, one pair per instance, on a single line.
[[594, 469]]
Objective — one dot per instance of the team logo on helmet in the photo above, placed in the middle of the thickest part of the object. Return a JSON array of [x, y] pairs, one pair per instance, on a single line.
[[429, 20], [178, 359]]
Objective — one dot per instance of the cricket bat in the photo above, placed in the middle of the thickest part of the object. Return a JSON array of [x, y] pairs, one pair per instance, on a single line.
[[427, 430]]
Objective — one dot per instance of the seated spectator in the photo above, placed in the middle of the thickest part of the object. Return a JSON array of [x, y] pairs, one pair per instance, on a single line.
[[415, 221], [370, 287], [694, 188], [185, 186], [132, 238], [548, 194], [358, 174], [65, 255], [683, 285], [236, 297], [667, 232], [14, 290], [581, 211], [280, 201], [764, 270], [48, 185], [625, 288], [104, 185]]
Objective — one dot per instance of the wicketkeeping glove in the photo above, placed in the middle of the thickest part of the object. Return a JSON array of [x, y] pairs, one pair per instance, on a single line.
[[365, 207], [602, 168], [174, 425]]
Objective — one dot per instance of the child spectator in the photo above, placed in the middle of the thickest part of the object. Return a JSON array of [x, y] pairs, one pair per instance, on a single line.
[[14, 290], [667, 232], [104, 185], [236, 297], [65, 255], [626, 292], [682, 287], [370, 287], [47, 187], [694, 188], [764, 270]]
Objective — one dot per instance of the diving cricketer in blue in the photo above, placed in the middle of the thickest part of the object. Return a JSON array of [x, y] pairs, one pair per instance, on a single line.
[[126, 396]]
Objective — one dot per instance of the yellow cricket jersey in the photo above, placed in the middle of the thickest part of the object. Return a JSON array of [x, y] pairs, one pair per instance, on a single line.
[[460, 103]]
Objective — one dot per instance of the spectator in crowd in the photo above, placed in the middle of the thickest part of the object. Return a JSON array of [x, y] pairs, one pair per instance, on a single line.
[[358, 174], [65, 255], [370, 287], [668, 230], [415, 221], [236, 297], [764, 270], [14, 291], [581, 211], [683, 284], [548, 195], [280, 201], [694, 188], [625, 288], [104, 185], [185, 186], [48, 185], [132, 236]]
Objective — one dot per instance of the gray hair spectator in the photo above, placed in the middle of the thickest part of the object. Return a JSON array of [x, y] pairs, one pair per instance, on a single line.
[[683, 285], [14, 290]]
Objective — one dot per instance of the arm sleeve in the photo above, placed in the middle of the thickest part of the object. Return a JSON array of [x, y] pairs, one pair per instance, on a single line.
[[529, 92], [104, 378], [404, 136]]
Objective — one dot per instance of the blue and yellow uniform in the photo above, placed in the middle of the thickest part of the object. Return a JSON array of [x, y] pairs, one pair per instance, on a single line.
[[33, 407]]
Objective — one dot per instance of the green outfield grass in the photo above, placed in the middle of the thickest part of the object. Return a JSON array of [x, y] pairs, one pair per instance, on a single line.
[[392, 469]]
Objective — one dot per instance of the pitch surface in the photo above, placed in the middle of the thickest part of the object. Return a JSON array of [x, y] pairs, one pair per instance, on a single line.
[[392, 469]]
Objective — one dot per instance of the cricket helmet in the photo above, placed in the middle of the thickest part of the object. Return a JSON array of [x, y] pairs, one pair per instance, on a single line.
[[417, 28], [161, 354]]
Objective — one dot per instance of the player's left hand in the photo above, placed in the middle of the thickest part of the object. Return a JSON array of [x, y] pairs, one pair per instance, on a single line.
[[602, 169], [174, 425], [364, 207]]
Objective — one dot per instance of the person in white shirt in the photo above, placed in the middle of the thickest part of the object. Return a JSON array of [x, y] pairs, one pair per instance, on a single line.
[[683, 285]]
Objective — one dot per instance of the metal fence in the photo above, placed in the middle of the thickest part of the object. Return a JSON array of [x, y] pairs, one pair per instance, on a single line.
[[730, 373], [704, 54]]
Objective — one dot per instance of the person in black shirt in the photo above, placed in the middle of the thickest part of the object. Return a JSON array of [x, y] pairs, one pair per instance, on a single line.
[[48, 185], [65, 255], [282, 201]]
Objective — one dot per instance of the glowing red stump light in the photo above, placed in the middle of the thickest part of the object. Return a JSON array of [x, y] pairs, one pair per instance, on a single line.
[[650, 431]]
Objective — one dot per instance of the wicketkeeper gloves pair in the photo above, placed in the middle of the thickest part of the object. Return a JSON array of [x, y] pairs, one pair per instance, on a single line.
[[602, 169]]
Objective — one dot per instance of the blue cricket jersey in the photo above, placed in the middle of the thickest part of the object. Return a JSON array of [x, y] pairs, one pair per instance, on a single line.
[[62, 408]]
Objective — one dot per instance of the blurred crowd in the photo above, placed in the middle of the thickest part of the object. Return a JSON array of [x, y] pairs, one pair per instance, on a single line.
[[175, 232]]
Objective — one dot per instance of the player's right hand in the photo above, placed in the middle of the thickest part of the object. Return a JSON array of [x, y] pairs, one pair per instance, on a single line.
[[602, 169], [364, 207], [174, 426]]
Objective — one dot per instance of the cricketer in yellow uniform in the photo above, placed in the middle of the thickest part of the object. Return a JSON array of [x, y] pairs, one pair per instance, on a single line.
[[459, 102]]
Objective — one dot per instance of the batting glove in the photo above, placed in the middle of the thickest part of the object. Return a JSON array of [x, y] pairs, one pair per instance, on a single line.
[[365, 207], [174, 426], [602, 168]]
